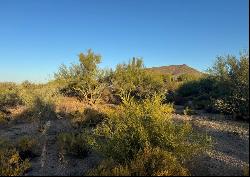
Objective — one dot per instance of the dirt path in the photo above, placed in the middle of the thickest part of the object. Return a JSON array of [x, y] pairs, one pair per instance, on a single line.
[[52, 161]]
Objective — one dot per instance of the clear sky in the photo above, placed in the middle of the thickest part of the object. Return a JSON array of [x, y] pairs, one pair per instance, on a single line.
[[36, 36]]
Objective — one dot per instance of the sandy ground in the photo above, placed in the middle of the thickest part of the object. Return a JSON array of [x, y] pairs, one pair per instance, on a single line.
[[230, 153], [228, 157]]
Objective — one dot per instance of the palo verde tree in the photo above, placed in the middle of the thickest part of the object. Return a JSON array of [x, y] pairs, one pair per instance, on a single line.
[[134, 79], [82, 80]]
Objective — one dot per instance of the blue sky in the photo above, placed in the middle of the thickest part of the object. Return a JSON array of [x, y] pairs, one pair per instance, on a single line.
[[36, 36]]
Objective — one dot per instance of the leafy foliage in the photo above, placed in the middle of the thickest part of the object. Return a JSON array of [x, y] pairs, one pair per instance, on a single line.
[[82, 80], [27, 147], [233, 74], [148, 162], [225, 89], [134, 126], [73, 144], [134, 79], [11, 164], [9, 96]]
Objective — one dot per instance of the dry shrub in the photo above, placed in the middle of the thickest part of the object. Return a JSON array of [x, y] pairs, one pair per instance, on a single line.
[[67, 105]]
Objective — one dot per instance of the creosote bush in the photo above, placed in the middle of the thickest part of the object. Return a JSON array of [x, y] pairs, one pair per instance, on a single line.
[[148, 162], [137, 128], [132, 78], [11, 164], [9, 95], [73, 144]]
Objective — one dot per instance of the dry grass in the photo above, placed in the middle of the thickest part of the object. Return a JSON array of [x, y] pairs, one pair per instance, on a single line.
[[67, 105]]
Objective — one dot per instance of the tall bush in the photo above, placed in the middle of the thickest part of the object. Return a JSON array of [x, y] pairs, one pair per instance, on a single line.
[[134, 79], [83, 79], [135, 126]]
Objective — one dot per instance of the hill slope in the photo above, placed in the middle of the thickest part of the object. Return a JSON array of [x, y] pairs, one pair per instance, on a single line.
[[175, 70]]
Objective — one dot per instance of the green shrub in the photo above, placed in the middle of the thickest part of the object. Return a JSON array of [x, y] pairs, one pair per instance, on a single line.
[[132, 78], [188, 111], [73, 144], [27, 147], [110, 168], [201, 93], [133, 126], [148, 162], [233, 75], [188, 77], [93, 117], [41, 110], [246, 170], [9, 98], [156, 162], [225, 89], [11, 164], [90, 117], [83, 80], [2, 118]]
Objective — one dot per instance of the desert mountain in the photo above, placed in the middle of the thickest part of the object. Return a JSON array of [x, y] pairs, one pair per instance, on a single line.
[[175, 70]]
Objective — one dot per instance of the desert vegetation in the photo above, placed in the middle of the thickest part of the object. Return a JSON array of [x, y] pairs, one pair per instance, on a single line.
[[125, 121]]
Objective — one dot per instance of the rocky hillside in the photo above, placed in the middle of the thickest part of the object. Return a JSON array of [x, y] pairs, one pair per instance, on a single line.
[[176, 70]]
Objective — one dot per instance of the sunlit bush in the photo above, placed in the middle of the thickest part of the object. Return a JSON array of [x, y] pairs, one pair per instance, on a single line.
[[148, 162], [134, 79], [83, 80], [11, 164], [9, 97], [133, 126]]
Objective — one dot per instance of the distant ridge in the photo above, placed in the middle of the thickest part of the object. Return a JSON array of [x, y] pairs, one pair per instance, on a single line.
[[175, 70]]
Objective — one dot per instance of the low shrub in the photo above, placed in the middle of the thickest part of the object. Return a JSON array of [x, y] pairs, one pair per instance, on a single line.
[[109, 168], [148, 162], [73, 144], [9, 98], [225, 89], [41, 110], [2, 118], [246, 170], [27, 147], [188, 111], [156, 162], [11, 164], [93, 117]]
